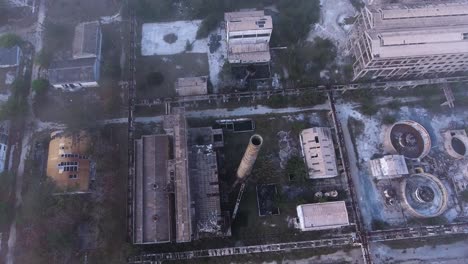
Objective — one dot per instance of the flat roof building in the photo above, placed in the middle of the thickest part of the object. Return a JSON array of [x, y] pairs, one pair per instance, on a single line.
[[319, 152], [176, 191], [191, 86], [87, 40], [10, 57], [67, 163], [153, 212], [410, 39], [319, 216], [248, 36], [83, 68], [389, 167]]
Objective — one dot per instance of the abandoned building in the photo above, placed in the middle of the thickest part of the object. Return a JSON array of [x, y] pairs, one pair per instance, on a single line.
[[456, 143], [192, 86], [67, 163], [248, 37], [10, 57], [176, 184], [424, 195], [319, 216], [408, 138], [408, 39], [319, 152], [389, 167], [83, 69]]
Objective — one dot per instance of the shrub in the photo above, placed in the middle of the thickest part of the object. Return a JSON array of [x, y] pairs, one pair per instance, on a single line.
[[170, 38], [188, 45], [388, 119], [43, 58], [10, 40], [208, 24], [40, 86]]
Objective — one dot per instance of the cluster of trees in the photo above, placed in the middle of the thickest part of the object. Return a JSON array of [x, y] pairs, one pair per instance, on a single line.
[[57, 37], [17, 104], [10, 40]]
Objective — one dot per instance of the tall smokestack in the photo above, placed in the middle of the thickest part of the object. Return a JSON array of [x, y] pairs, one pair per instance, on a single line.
[[250, 155]]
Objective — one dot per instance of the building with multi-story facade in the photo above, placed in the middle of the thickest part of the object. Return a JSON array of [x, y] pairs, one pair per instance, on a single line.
[[410, 39], [248, 36]]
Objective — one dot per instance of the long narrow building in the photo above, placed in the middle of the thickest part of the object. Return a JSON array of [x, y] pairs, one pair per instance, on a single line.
[[410, 39]]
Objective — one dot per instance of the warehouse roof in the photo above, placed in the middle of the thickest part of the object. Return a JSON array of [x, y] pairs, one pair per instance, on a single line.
[[192, 86], [86, 43], [73, 71], [319, 216], [319, 152], [10, 57], [247, 20], [417, 29]]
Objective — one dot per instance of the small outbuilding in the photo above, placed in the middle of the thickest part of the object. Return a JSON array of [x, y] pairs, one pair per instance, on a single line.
[[319, 216], [192, 86], [389, 167]]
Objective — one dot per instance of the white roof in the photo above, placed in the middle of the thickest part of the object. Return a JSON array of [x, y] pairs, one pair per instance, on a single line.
[[319, 216], [390, 166], [319, 152], [416, 30], [249, 20]]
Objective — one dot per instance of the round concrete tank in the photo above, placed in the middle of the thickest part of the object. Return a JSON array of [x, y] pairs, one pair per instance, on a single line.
[[250, 155], [424, 195], [456, 146], [408, 138]]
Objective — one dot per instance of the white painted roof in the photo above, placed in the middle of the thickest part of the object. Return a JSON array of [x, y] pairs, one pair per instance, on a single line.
[[319, 216], [319, 152]]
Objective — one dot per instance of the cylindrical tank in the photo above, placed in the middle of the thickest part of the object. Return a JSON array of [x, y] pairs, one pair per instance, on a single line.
[[250, 155]]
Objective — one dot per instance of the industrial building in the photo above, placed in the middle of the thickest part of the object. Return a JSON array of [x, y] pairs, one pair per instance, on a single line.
[[67, 164], [10, 57], [408, 138], [319, 216], [319, 152], [191, 86], [248, 37], [83, 69], [389, 167], [176, 184], [410, 39]]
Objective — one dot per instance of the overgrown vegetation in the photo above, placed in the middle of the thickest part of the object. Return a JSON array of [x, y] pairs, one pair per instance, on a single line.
[[464, 195], [10, 40], [388, 119], [57, 37], [6, 206], [17, 104], [296, 169], [294, 21], [304, 61]]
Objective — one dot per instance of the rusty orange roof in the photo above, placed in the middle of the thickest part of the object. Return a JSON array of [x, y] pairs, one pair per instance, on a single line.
[[68, 164]]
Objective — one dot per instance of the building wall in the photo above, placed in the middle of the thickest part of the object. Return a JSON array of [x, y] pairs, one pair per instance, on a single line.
[[368, 64]]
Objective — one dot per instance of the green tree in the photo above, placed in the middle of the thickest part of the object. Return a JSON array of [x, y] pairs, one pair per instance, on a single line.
[[208, 24], [10, 40], [296, 169], [40, 86], [44, 58]]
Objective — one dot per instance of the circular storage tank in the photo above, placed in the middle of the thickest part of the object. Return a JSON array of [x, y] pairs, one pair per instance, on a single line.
[[457, 146], [408, 138], [424, 195]]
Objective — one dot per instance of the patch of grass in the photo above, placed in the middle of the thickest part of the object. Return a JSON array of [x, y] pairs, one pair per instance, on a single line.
[[388, 119]]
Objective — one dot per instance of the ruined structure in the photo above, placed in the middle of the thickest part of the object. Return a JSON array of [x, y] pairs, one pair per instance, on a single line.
[[250, 155], [176, 184], [408, 138], [248, 36], [408, 39], [319, 152], [388, 167], [456, 143], [192, 86], [423, 195]]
